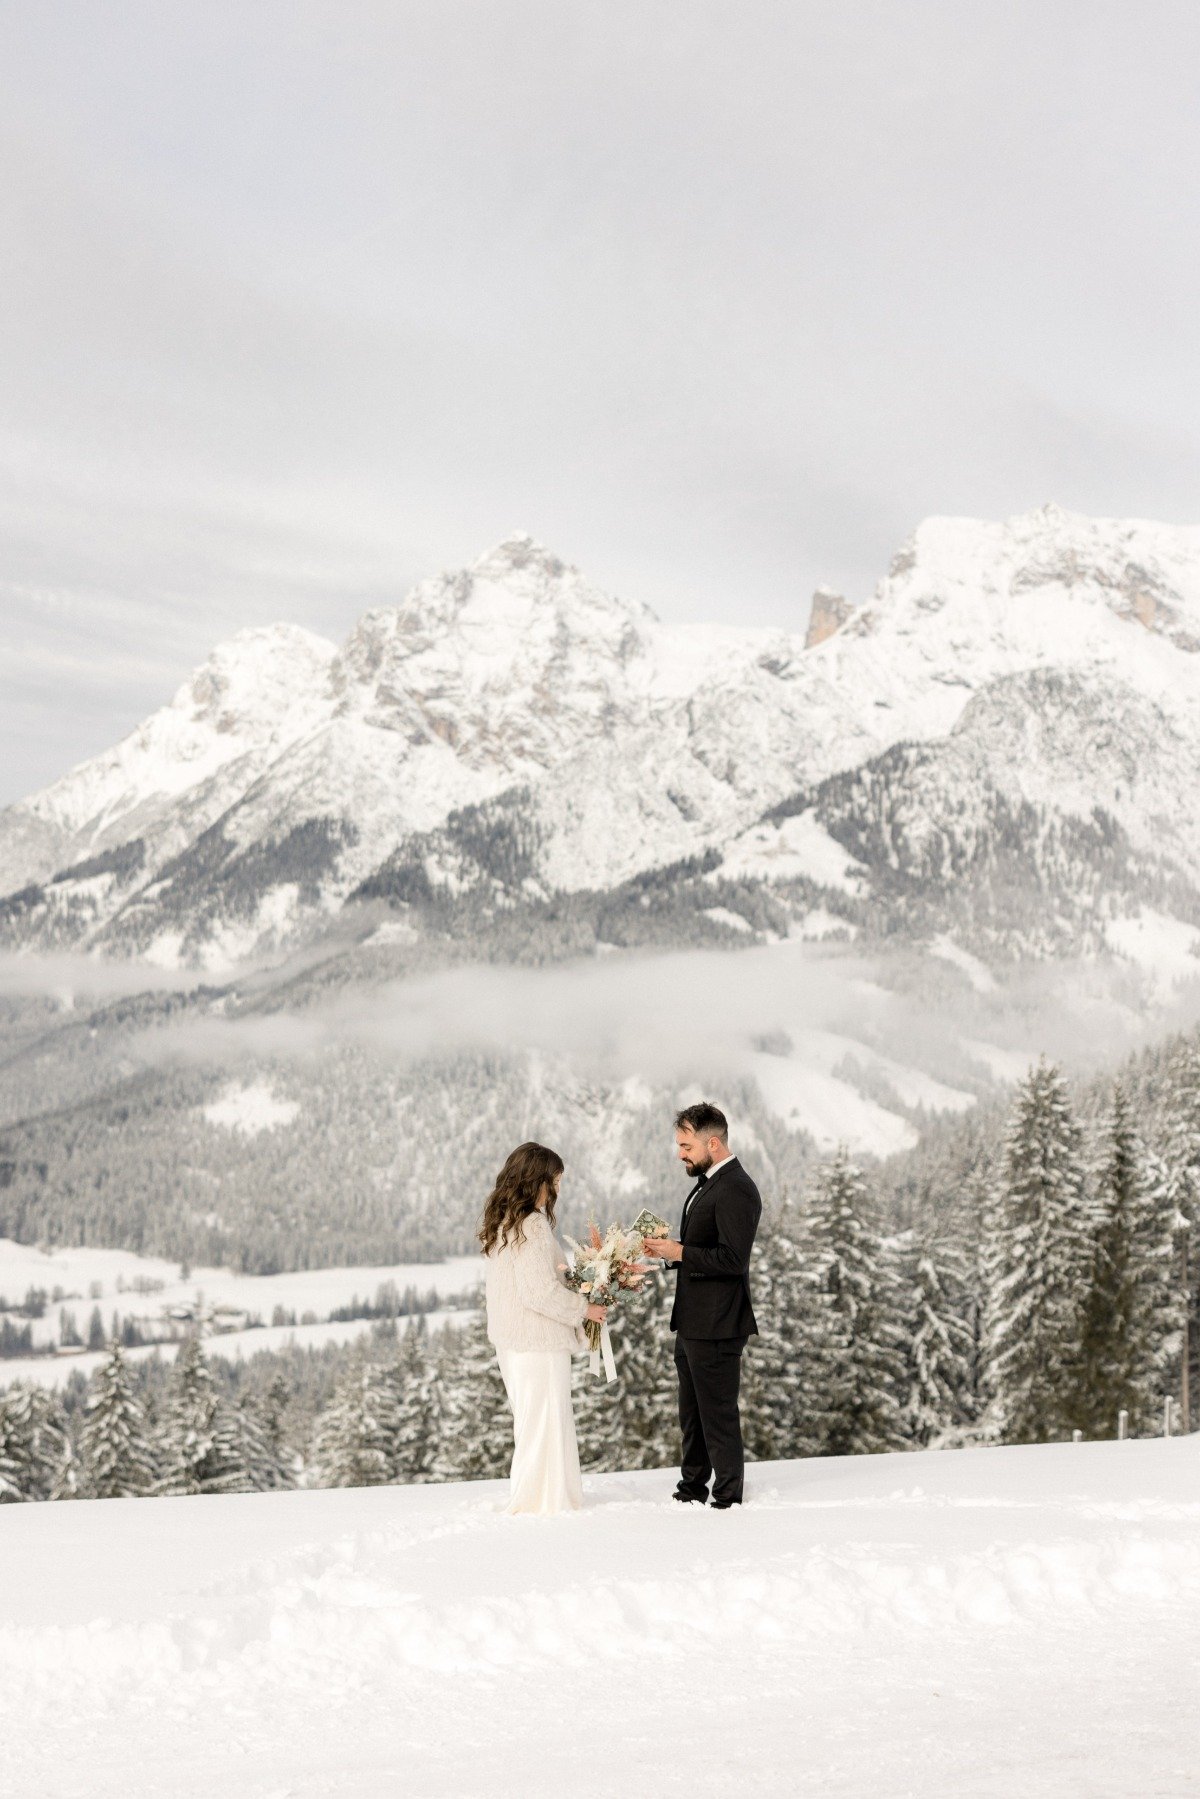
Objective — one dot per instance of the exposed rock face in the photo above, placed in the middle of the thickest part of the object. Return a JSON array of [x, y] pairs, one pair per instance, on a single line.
[[830, 611]]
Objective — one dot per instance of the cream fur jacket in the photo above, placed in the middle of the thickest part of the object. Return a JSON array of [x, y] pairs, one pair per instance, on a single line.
[[529, 1306]]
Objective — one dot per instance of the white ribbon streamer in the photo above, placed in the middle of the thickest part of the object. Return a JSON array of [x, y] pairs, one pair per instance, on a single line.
[[605, 1349]]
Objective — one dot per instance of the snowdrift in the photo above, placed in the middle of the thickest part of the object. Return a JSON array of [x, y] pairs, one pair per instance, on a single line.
[[992, 1622]]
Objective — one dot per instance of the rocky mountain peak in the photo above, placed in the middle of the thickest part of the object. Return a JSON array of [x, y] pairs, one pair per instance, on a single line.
[[519, 622], [520, 551], [1035, 584], [252, 678]]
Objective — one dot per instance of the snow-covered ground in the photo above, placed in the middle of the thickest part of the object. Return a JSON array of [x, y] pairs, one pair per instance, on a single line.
[[1161, 945], [151, 1291], [994, 1622], [251, 1109], [831, 1110], [799, 846], [131, 1282], [809, 1085], [233, 1346]]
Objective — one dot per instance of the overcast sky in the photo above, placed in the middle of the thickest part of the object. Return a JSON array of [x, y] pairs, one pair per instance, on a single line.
[[302, 301]]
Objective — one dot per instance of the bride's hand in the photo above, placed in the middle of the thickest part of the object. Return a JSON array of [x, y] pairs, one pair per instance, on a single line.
[[596, 1314]]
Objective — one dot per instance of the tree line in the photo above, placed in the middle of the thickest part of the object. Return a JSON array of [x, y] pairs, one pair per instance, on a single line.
[[1058, 1301]]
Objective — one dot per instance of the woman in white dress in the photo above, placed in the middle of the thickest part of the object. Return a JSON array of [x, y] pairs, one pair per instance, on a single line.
[[535, 1322]]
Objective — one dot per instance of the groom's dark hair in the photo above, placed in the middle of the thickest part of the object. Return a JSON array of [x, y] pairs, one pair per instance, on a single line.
[[705, 1119]]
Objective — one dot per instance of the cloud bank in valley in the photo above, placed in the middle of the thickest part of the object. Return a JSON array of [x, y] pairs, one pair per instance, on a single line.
[[71, 979], [912, 1022]]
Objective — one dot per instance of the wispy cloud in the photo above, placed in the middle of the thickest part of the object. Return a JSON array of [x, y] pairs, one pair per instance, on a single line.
[[301, 304]]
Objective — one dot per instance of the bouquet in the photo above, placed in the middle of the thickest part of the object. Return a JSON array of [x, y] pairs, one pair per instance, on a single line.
[[601, 1268]]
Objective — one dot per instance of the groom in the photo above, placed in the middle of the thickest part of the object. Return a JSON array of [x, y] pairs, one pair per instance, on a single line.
[[712, 1317]]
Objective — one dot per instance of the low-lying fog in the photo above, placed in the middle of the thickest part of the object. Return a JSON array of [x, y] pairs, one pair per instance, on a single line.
[[844, 1043]]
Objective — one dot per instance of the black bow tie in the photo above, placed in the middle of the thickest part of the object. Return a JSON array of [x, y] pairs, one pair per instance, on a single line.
[[701, 1178]]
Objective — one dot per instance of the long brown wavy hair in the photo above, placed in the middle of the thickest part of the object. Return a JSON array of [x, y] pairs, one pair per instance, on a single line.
[[529, 1168]]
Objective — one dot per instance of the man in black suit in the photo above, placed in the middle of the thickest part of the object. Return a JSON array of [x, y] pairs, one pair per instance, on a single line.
[[712, 1316]]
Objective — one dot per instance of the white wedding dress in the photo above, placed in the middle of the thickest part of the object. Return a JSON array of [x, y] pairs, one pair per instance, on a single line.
[[533, 1320], [545, 1473]]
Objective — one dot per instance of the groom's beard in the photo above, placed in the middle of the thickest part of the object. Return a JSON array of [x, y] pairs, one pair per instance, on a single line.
[[694, 1168]]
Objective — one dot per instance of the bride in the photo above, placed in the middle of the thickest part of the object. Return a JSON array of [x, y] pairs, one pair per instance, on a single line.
[[534, 1321]]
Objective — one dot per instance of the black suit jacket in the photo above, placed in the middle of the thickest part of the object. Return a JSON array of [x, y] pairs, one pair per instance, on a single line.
[[712, 1282]]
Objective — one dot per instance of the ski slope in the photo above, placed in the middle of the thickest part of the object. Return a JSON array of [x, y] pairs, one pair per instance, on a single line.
[[992, 1622]]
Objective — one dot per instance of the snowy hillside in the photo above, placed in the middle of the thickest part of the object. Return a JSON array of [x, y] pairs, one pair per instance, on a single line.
[[950, 1625], [1057, 804], [511, 730]]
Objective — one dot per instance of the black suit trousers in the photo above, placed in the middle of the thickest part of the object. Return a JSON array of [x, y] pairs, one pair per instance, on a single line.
[[710, 1372]]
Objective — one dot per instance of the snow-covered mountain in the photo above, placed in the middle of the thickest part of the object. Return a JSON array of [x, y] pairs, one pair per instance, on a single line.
[[185, 765], [511, 727], [73, 855]]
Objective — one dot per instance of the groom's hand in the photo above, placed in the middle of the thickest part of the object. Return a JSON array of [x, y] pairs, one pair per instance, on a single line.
[[666, 1247]]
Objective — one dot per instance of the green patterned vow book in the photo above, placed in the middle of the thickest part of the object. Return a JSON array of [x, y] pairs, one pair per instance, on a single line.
[[649, 1224]]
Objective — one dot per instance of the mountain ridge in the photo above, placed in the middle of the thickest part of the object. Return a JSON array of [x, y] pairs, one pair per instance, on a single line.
[[289, 770]]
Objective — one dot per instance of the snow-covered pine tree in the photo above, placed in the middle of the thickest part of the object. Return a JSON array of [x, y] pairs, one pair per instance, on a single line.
[[1182, 1138], [51, 1435], [273, 1404], [981, 1251], [444, 1352], [599, 1424], [200, 1444], [116, 1453], [68, 1474], [1118, 1328], [13, 1457], [856, 1334], [414, 1405], [645, 1393], [356, 1432], [265, 1470], [33, 1437], [474, 1434], [1042, 1258], [761, 1366], [1182, 1156], [783, 1407], [1160, 1261], [937, 1343]]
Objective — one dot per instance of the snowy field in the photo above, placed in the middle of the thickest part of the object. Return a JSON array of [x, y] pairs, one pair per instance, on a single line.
[[145, 1284], [1005, 1622], [147, 1289], [54, 1371]]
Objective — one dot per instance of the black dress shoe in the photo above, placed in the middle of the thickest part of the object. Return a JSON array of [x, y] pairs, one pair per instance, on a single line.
[[724, 1505], [690, 1498]]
